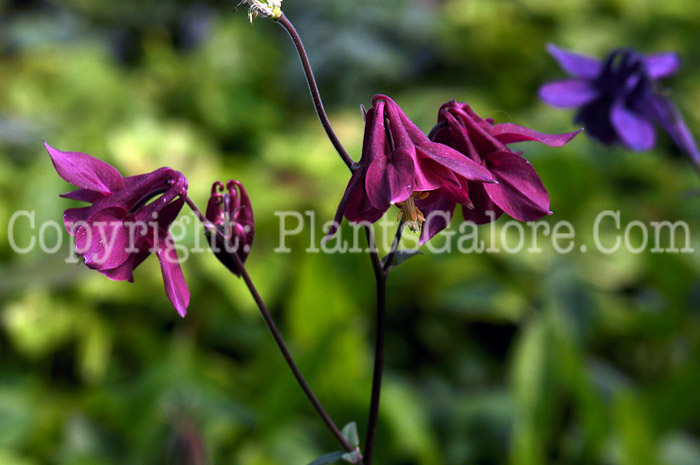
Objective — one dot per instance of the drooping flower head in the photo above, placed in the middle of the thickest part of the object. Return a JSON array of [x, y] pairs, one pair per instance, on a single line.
[[619, 99], [128, 219], [229, 210], [518, 190], [401, 166]]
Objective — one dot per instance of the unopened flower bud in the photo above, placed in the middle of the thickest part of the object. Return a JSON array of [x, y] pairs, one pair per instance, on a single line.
[[230, 212]]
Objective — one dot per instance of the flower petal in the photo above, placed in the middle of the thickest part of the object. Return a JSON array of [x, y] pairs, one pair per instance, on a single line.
[[438, 215], [85, 171], [509, 133], [576, 65], [454, 135], [595, 117], [477, 130], [168, 213], [455, 161], [390, 182], [73, 216], [354, 187], [404, 133], [673, 123], [567, 93], [124, 272], [173, 279], [103, 240], [84, 195], [660, 65], [635, 132], [484, 210], [519, 191], [244, 217]]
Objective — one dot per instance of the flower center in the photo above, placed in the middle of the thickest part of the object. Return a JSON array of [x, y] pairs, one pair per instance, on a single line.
[[410, 214]]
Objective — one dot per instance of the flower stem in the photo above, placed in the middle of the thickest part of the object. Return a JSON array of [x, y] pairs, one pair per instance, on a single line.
[[394, 246], [197, 212], [313, 88], [381, 273], [288, 357], [279, 340]]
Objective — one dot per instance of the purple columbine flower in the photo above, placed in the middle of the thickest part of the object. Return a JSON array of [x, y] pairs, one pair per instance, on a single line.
[[401, 166], [518, 190], [229, 210], [620, 98], [127, 220]]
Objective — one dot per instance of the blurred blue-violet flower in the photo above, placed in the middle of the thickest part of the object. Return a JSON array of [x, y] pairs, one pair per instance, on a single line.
[[619, 99]]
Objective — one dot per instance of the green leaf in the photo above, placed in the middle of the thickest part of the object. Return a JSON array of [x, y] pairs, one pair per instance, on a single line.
[[401, 256], [330, 457], [352, 457], [350, 433]]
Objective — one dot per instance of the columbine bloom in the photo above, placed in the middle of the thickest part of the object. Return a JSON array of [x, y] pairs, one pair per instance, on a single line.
[[401, 166], [518, 190], [619, 98], [121, 228], [229, 210]]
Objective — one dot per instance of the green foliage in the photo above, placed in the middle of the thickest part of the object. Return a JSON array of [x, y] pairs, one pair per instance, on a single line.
[[528, 359]]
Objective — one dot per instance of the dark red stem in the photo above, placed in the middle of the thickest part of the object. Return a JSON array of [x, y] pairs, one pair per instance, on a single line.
[[279, 340], [313, 88]]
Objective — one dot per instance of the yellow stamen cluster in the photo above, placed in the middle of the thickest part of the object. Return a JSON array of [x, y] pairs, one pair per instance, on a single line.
[[410, 214]]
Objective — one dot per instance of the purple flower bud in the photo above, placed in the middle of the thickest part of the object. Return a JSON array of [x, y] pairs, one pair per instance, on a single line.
[[229, 210]]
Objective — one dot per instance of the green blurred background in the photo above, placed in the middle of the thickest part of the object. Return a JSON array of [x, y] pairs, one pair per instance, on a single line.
[[522, 359]]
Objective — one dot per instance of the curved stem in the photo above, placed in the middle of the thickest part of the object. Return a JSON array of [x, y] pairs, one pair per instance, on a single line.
[[288, 357], [313, 88], [278, 339]]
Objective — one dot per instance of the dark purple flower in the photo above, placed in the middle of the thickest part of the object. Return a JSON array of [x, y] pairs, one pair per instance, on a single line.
[[127, 220], [231, 213], [620, 98], [518, 190], [400, 166]]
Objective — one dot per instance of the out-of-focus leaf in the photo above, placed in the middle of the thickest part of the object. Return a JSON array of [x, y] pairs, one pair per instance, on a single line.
[[330, 457], [406, 416], [350, 433], [351, 457], [37, 326], [635, 436], [400, 257]]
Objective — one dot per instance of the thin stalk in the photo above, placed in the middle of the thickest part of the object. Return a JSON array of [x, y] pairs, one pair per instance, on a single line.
[[288, 357], [394, 246], [198, 212], [279, 340], [381, 273], [313, 88]]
